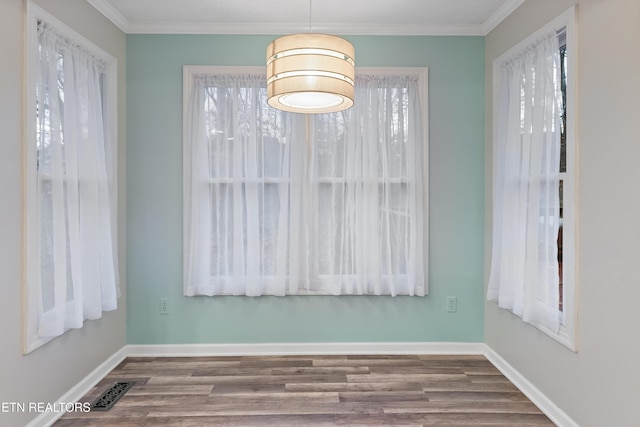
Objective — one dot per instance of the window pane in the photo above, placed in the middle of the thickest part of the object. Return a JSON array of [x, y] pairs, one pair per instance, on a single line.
[[315, 223], [394, 227], [330, 144], [563, 85], [560, 245], [335, 236]]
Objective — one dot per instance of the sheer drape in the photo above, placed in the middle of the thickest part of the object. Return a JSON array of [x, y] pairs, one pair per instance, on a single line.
[[77, 269], [240, 236], [279, 203], [524, 268], [368, 187]]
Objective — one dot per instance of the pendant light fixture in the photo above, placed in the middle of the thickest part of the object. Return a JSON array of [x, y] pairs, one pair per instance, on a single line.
[[310, 73]]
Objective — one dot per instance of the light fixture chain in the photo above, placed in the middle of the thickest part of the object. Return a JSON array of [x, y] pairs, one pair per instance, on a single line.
[[310, 16]]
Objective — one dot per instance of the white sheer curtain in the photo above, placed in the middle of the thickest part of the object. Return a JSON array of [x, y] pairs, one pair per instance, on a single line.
[[279, 203], [524, 268], [240, 236], [77, 268], [368, 174]]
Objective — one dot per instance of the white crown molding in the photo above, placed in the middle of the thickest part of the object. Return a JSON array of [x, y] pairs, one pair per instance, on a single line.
[[156, 27], [159, 27], [276, 29], [399, 30], [499, 15], [111, 13]]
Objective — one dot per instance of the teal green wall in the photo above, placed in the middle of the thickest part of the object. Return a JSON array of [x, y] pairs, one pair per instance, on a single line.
[[154, 204]]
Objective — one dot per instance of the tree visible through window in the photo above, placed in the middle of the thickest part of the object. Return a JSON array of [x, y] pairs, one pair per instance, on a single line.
[[71, 261], [281, 203], [562, 38], [533, 254]]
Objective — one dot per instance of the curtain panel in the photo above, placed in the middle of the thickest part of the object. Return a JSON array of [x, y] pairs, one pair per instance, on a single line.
[[281, 204], [76, 267], [524, 274]]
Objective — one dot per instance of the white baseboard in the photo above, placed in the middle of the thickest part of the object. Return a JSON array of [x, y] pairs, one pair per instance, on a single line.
[[275, 349], [546, 405], [46, 419]]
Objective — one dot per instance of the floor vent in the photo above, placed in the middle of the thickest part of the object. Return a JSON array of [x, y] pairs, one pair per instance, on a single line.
[[111, 396]]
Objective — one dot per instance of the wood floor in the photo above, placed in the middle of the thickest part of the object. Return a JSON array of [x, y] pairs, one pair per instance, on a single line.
[[311, 391]]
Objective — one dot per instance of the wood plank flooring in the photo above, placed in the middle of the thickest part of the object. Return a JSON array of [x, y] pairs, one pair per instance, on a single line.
[[311, 391]]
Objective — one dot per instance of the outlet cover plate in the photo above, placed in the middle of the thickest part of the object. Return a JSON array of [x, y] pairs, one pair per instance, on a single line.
[[165, 306], [452, 304]]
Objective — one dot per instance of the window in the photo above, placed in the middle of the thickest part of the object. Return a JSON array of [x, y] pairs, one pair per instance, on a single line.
[[281, 204], [70, 185], [533, 255]]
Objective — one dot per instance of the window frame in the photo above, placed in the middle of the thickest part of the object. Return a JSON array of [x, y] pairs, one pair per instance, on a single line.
[[566, 21], [422, 73], [31, 235]]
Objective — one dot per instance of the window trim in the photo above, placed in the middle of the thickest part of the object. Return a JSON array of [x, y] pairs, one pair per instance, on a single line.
[[567, 335], [188, 71], [30, 226]]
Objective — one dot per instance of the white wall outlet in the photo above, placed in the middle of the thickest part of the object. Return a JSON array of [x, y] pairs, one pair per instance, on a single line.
[[165, 305], [452, 304]]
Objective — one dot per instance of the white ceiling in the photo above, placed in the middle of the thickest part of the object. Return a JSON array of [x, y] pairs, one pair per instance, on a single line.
[[398, 17]]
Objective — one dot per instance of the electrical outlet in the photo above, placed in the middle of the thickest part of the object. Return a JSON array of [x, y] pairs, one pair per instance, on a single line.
[[165, 306], [452, 304]]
